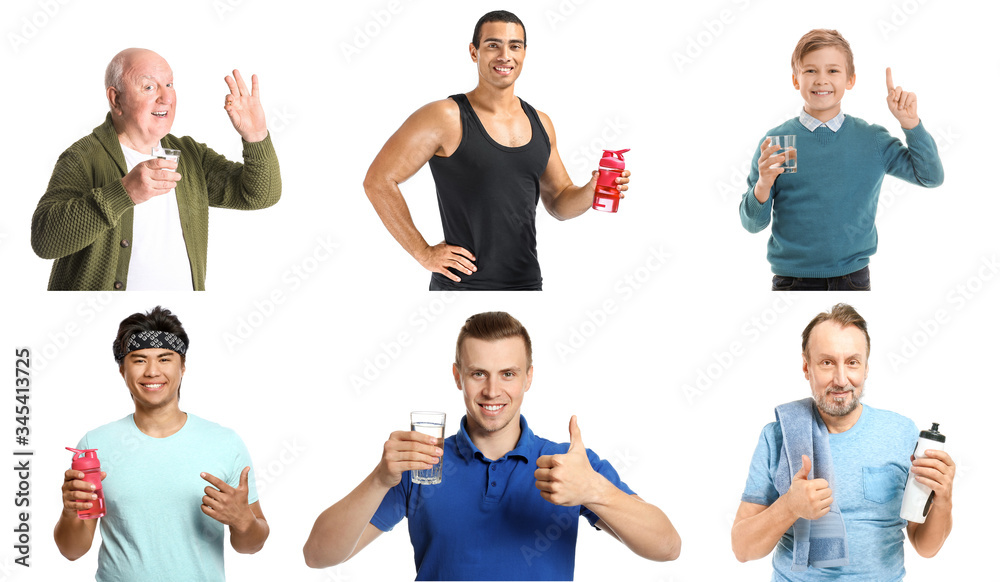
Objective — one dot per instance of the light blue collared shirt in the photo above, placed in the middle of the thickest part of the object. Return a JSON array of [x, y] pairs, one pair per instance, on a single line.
[[811, 123]]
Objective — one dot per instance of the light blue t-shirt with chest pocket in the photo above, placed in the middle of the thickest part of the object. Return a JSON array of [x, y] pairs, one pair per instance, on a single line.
[[870, 462]]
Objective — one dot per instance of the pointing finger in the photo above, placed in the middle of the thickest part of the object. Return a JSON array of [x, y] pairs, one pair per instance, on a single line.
[[219, 483], [888, 79]]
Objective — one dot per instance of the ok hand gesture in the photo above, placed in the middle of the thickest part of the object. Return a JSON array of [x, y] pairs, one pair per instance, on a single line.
[[244, 108]]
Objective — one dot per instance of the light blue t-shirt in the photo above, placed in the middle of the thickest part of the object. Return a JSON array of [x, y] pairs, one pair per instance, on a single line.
[[870, 463], [154, 528]]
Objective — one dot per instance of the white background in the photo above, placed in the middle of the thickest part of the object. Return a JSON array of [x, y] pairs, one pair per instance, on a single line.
[[315, 383]]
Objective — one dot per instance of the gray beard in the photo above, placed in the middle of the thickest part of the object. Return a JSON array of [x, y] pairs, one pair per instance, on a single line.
[[839, 408]]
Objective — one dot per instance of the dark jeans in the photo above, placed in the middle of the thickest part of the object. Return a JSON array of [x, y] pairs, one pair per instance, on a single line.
[[856, 281]]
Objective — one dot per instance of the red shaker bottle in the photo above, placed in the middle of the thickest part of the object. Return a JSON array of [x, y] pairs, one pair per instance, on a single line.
[[606, 195], [91, 467]]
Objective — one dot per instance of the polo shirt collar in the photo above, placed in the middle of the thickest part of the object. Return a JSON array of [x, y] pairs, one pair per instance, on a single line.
[[469, 451], [811, 123]]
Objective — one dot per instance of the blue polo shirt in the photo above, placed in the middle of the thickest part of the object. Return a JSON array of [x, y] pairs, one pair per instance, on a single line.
[[486, 520]]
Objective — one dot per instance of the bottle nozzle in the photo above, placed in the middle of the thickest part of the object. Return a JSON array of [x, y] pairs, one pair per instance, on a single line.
[[934, 427], [616, 153]]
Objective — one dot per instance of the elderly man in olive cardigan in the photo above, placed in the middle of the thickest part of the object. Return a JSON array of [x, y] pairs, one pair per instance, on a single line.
[[115, 217]]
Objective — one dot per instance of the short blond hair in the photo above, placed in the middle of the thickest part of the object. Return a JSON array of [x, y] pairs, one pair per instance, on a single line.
[[819, 38]]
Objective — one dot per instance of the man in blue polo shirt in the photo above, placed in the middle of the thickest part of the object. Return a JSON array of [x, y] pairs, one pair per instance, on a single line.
[[509, 503]]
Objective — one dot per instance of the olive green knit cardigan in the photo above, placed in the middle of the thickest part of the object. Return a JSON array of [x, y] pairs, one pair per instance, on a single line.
[[84, 219]]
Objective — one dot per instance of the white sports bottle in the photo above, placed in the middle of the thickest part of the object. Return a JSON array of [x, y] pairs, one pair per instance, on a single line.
[[917, 496]]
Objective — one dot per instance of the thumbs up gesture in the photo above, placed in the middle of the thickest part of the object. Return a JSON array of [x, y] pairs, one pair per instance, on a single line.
[[808, 498], [902, 104], [568, 479], [227, 504]]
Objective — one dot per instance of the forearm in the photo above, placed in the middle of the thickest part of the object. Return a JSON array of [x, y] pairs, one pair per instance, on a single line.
[[571, 202], [641, 526], [755, 214], [73, 213], [73, 536], [927, 168], [917, 162], [250, 536], [386, 198], [755, 536], [335, 535], [252, 185], [928, 538]]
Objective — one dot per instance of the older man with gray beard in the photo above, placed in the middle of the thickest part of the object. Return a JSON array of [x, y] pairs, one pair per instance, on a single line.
[[828, 476]]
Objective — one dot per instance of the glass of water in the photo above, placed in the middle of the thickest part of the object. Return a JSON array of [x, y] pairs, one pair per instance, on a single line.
[[430, 423], [165, 154], [786, 143]]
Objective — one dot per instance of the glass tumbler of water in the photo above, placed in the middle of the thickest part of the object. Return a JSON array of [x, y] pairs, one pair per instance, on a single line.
[[429, 423], [786, 143], [165, 154]]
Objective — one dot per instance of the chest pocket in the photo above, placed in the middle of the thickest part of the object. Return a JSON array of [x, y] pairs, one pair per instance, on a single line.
[[882, 484]]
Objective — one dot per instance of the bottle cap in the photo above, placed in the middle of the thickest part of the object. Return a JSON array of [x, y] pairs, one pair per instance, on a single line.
[[932, 434], [89, 459], [613, 159]]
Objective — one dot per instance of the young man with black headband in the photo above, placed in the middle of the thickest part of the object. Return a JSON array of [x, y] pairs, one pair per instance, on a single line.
[[171, 479]]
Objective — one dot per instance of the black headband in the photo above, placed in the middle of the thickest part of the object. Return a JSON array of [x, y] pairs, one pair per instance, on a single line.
[[150, 339]]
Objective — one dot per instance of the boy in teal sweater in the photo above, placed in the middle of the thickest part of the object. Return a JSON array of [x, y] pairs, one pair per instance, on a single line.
[[823, 215]]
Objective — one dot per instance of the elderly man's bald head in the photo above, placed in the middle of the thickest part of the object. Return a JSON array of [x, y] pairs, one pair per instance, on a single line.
[[115, 72], [141, 96]]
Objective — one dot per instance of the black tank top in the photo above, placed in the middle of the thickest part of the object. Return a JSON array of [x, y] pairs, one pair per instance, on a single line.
[[487, 194]]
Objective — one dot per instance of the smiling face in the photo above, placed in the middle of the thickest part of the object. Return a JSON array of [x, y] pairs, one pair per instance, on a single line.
[[143, 109], [153, 376], [500, 53], [493, 378], [822, 80], [836, 366]]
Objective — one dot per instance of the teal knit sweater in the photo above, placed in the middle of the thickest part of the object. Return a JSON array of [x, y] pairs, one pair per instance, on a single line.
[[823, 217], [84, 219]]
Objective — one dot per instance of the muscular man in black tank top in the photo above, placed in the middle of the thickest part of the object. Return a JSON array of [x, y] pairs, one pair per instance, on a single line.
[[493, 157]]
